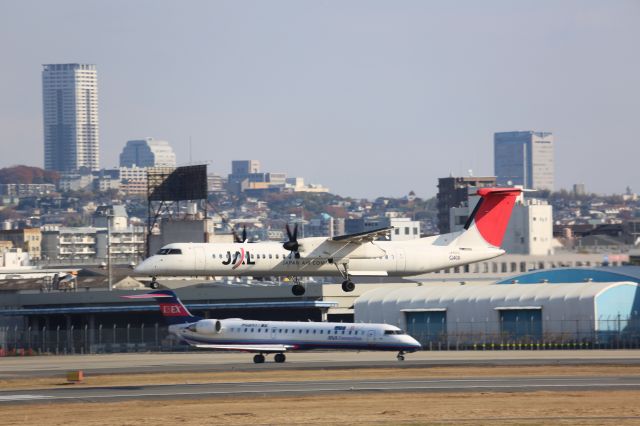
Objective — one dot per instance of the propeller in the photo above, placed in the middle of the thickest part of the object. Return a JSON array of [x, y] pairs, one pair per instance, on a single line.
[[236, 237], [292, 244]]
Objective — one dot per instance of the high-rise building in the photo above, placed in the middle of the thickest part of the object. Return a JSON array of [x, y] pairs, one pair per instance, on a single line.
[[453, 192], [147, 152], [244, 172], [70, 115], [524, 158]]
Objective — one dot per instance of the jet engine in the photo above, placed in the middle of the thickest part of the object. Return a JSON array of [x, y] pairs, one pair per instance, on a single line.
[[209, 326]]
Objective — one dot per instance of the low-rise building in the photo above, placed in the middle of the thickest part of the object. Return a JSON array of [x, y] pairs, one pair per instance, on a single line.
[[29, 240]]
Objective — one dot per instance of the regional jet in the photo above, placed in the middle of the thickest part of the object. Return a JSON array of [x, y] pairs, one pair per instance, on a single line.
[[276, 337], [347, 256]]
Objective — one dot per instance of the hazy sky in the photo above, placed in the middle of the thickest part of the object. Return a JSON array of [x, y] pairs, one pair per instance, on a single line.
[[366, 97]]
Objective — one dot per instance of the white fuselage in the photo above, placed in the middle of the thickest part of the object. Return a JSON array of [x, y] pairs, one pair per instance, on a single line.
[[318, 257], [295, 335]]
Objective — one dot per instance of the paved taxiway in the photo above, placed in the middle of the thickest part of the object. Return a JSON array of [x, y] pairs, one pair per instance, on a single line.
[[21, 367], [209, 390]]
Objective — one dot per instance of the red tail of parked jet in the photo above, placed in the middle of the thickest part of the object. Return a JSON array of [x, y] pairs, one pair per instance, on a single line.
[[171, 308]]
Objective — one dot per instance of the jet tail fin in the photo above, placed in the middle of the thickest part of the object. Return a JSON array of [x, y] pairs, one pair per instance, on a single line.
[[171, 308], [490, 217]]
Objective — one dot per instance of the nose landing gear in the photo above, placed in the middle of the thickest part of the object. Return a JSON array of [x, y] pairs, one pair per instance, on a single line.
[[400, 356]]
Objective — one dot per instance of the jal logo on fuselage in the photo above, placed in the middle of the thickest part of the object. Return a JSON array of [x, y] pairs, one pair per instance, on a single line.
[[238, 258]]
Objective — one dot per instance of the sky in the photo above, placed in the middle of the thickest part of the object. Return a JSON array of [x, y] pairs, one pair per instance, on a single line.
[[369, 98]]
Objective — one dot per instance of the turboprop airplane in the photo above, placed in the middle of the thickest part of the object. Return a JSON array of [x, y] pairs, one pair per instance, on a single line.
[[276, 337], [346, 256]]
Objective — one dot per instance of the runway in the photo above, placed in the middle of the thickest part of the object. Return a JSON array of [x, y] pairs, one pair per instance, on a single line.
[[43, 366], [311, 387]]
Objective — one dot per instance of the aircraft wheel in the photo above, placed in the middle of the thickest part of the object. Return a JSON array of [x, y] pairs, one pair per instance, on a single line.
[[279, 358], [154, 284], [348, 286], [400, 357], [258, 359], [298, 290]]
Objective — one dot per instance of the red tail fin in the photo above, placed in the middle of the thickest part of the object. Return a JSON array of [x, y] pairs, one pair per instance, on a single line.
[[493, 211]]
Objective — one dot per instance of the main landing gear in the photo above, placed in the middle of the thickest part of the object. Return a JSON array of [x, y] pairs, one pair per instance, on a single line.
[[297, 289], [400, 356], [259, 358], [347, 285], [154, 284]]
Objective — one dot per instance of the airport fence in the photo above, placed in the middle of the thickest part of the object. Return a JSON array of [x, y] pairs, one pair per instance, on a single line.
[[618, 333], [82, 340]]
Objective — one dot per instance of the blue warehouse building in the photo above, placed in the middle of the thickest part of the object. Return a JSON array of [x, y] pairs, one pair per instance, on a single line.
[[592, 307]]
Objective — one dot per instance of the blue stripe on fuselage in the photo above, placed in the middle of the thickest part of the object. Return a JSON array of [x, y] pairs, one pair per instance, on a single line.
[[304, 345]]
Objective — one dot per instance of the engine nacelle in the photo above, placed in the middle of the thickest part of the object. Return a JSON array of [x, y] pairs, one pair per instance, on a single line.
[[209, 326]]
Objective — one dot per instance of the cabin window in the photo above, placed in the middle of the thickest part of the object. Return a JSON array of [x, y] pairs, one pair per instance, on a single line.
[[259, 330], [252, 330], [307, 331], [321, 331], [286, 330], [270, 256], [277, 256], [245, 330], [314, 331], [280, 331], [328, 331], [349, 332]]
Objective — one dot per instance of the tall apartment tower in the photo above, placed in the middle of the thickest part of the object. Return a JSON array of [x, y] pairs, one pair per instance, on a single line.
[[70, 114], [524, 158]]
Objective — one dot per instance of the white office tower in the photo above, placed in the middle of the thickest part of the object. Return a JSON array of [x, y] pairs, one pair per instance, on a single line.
[[147, 152], [524, 158], [70, 115]]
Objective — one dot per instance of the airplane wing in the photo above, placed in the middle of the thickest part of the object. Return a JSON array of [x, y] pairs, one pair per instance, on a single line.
[[247, 348], [363, 237]]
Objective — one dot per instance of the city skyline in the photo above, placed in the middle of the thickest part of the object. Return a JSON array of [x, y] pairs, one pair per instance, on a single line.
[[367, 98]]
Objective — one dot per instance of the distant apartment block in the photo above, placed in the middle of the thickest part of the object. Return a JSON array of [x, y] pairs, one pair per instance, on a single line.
[[216, 183], [70, 117], [524, 158], [453, 192], [29, 240], [147, 152], [21, 190]]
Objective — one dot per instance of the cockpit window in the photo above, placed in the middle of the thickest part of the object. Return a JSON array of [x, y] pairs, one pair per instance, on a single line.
[[393, 332], [169, 251]]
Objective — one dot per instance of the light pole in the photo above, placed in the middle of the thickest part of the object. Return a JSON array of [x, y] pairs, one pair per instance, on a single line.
[[109, 275]]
